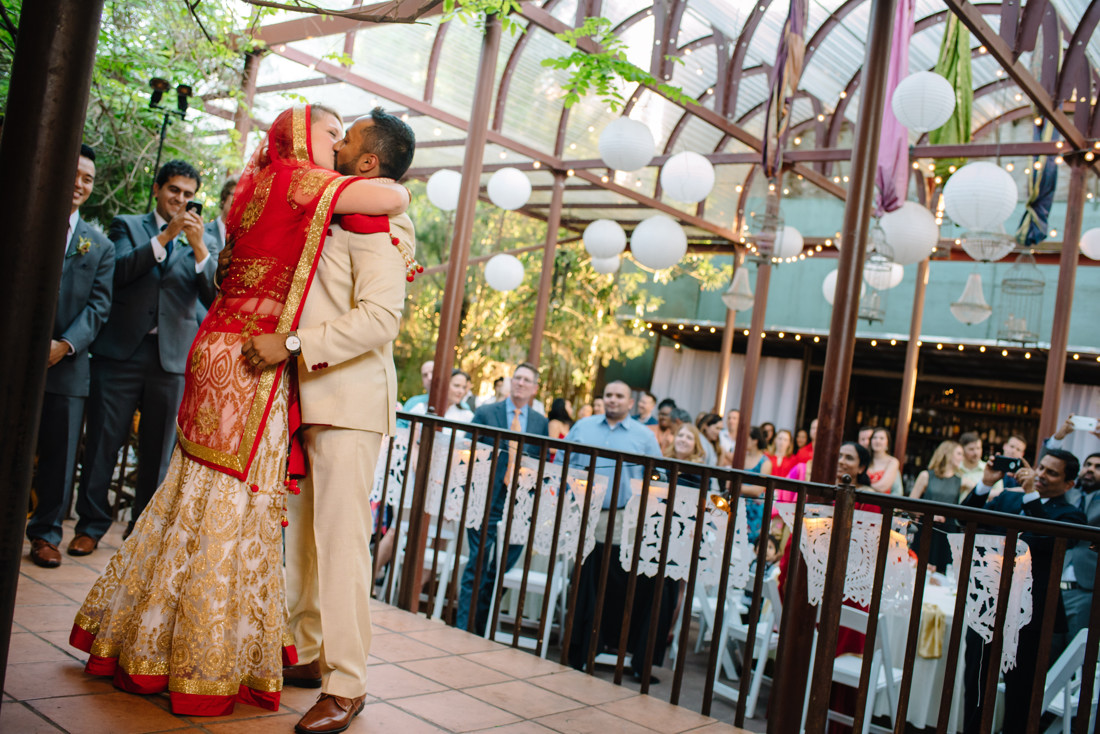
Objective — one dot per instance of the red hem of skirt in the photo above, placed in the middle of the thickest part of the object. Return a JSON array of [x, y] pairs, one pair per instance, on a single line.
[[183, 704]]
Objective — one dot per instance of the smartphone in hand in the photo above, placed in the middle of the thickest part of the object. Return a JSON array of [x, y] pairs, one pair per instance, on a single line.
[[194, 206], [1007, 464]]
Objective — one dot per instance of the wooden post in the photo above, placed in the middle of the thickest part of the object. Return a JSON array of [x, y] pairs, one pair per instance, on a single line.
[[752, 361], [912, 352], [1049, 420], [242, 118], [50, 78], [454, 290], [546, 277], [792, 668]]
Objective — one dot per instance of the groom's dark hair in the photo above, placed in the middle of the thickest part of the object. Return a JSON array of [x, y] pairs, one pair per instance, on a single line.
[[392, 140]]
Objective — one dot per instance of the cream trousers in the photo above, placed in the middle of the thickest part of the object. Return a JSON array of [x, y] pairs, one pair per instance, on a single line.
[[328, 559]]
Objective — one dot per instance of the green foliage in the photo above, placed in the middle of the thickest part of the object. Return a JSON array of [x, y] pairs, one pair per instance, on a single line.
[[604, 72], [9, 24], [194, 43], [590, 321], [476, 11]]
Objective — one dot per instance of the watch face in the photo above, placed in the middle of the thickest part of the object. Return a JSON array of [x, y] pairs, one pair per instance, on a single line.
[[293, 344]]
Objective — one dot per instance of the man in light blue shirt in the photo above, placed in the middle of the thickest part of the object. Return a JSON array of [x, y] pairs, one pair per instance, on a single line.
[[615, 429], [426, 371]]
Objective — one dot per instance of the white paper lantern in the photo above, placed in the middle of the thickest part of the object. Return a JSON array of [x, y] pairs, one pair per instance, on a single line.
[[1090, 243], [504, 272], [509, 188], [788, 242], [884, 276], [658, 242], [923, 101], [626, 145], [911, 232], [606, 265], [443, 187], [980, 196], [687, 176], [828, 287], [604, 238]]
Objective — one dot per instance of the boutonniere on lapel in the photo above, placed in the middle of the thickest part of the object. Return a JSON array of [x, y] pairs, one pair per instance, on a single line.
[[83, 245]]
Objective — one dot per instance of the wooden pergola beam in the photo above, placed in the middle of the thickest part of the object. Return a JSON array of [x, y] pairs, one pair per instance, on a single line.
[[549, 23], [496, 138], [1000, 50]]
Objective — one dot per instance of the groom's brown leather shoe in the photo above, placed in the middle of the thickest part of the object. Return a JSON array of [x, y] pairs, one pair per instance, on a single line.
[[45, 554], [306, 675], [82, 545], [330, 714]]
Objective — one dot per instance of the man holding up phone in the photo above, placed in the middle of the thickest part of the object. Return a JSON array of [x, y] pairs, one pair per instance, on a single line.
[[163, 269]]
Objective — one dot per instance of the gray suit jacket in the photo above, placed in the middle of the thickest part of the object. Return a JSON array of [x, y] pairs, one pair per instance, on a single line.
[[83, 304], [1081, 556], [213, 230], [149, 295]]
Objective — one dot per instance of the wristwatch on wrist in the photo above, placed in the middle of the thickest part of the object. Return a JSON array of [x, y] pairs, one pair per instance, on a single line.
[[293, 344]]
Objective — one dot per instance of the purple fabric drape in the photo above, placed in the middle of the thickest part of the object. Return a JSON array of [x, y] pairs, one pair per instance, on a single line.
[[784, 82], [892, 174]]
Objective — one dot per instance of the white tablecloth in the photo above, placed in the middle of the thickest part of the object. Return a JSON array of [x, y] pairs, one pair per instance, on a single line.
[[928, 673]]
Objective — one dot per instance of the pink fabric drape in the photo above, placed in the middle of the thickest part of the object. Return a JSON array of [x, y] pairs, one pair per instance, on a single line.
[[892, 174]]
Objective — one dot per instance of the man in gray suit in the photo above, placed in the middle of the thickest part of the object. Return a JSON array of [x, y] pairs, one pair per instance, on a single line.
[[1079, 570], [164, 265], [514, 413], [216, 228], [83, 303]]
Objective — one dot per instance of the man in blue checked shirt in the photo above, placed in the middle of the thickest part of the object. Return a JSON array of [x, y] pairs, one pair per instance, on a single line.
[[615, 429]]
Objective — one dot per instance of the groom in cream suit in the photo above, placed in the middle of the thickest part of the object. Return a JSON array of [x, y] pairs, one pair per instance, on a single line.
[[348, 387]]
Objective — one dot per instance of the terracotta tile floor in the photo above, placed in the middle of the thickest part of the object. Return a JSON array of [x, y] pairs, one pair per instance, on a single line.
[[426, 677]]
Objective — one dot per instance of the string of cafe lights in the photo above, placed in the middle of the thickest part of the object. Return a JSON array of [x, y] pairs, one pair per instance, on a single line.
[[674, 331]]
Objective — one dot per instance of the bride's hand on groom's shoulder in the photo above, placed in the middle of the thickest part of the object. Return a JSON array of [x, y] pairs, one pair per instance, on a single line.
[[265, 350]]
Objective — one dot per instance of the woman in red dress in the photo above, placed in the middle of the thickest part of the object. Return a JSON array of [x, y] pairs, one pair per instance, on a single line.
[[193, 603]]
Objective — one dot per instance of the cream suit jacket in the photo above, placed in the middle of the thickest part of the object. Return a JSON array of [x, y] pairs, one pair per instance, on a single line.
[[350, 318]]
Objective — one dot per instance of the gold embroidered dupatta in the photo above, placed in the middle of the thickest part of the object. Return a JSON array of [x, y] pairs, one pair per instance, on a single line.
[[280, 215]]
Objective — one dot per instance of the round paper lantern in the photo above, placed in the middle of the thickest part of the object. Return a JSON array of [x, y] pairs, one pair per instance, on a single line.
[[1090, 243], [883, 276], [626, 145], [658, 242], [504, 272], [687, 176], [923, 101], [509, 188], [604, 239], [828, 287], [788, 242], [606, 265], [443, 186], [911, 232], [980, 196]]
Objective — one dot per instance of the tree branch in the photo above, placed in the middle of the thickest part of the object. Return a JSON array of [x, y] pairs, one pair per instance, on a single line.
[[312, 9], [12, 28]]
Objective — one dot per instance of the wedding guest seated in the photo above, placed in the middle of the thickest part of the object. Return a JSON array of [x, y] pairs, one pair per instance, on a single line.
[[560, 418], [710, 427], [782, 456]]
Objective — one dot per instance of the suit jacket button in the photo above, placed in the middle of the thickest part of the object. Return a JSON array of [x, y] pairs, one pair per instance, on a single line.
[[330, 232]]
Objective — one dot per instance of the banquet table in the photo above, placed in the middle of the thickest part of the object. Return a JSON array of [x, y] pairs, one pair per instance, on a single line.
[[928, 673]]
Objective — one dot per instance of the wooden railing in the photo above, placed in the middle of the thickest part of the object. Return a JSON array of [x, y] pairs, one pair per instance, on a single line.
[[448, 473]]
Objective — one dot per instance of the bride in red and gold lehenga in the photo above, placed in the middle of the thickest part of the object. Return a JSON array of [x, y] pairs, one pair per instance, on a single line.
[[194, 601]]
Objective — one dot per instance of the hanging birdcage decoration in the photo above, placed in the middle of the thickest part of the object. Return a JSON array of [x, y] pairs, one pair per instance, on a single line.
[[764, 229], [1020, 305], [879, 272]]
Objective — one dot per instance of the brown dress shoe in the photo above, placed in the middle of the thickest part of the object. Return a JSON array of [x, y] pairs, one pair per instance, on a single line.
[[330, 714], [82, 545], [306, 675], [45, 553]]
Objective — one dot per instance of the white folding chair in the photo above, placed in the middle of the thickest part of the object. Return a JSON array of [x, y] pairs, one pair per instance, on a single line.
[[1062, 689], [765, 644], [847, 668]]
